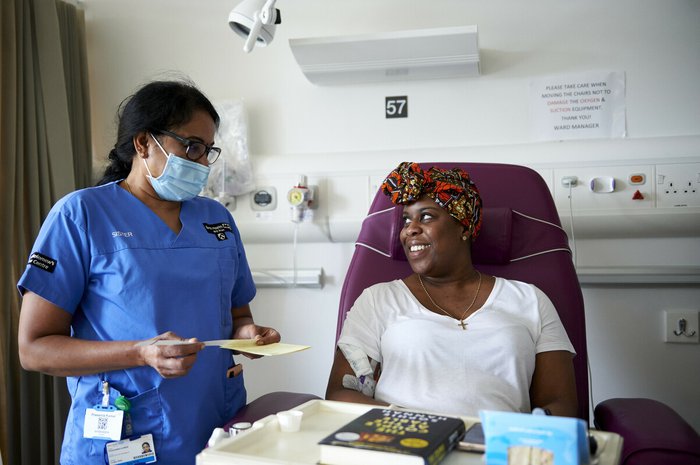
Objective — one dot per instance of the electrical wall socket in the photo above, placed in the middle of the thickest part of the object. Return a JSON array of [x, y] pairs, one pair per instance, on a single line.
[[678, 185], [681, 326]]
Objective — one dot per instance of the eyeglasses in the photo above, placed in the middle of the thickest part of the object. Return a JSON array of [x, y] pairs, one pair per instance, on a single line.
[[194, 149]]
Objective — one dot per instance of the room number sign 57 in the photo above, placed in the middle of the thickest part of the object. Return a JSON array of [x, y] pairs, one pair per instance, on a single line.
[[396, 107]]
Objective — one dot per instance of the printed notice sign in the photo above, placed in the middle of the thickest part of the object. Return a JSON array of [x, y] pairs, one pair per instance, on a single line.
[[581, 106]]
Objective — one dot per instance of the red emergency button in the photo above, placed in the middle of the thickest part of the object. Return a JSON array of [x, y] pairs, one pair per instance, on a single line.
[[638, 196]]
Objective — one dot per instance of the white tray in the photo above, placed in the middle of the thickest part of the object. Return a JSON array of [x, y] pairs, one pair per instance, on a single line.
[[264, 443]]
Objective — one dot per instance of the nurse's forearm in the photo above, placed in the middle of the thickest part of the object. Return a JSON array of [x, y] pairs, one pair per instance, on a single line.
[[45, 345], [242, 316], [60, 355]]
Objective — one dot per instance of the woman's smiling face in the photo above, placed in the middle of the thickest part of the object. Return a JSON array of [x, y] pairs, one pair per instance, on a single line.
[[431, 238]]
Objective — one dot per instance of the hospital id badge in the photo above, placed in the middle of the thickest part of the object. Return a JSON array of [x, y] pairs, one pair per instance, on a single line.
[[131, 451], [103, 423]]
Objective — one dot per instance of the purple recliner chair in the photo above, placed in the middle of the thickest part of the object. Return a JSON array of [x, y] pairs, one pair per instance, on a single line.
[[522, 239]]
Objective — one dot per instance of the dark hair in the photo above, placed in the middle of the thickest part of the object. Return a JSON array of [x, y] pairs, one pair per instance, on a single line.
[[156, 105]]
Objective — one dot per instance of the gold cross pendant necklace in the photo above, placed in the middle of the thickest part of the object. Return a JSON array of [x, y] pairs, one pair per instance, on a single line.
[[464, 315]]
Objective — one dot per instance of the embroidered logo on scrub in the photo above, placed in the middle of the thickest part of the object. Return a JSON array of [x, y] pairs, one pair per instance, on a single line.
[[219, 230], [43, 262]]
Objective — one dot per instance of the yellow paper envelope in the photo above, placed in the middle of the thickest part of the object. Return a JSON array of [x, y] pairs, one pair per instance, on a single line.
[[250, 347]]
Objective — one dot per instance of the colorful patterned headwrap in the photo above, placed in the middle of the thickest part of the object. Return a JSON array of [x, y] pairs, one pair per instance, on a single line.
[[451, 190]]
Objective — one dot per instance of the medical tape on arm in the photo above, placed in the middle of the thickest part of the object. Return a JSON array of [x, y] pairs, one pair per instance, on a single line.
[[363, 367]]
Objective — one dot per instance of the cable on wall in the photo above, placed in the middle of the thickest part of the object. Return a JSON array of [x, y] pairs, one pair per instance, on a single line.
[[571, 223]]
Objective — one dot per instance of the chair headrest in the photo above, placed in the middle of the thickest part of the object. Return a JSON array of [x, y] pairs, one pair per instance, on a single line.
[[493, 244], [381, 232]]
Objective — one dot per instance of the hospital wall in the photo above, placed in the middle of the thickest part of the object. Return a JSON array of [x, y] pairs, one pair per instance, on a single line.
[[330, 133]]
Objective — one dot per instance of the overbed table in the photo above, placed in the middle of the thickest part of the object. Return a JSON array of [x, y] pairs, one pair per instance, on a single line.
[[265, 444]]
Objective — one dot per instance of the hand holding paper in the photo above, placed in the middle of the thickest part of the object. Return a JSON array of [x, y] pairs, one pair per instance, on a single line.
[[248, 346]]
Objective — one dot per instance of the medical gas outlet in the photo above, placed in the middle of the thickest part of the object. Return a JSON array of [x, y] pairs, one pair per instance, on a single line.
[[300, 198]]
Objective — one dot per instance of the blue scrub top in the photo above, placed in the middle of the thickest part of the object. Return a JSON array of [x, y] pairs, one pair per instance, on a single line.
[[106, 258]]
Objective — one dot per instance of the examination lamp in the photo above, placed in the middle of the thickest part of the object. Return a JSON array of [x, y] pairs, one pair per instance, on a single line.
[[255, 21]]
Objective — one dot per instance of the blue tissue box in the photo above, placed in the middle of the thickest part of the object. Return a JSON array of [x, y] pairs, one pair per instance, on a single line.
[[524, 439]]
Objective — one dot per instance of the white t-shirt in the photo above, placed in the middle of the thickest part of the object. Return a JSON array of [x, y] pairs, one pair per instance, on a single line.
[[430, 363]]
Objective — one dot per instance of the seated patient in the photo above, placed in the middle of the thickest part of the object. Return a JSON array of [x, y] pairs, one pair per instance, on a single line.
[[448, 338]]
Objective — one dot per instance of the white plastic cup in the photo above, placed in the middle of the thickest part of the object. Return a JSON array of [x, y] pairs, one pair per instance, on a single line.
[[238, 428], [290, 420]]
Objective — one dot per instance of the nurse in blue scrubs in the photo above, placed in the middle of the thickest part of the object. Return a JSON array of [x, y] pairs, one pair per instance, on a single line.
[[137, 259]]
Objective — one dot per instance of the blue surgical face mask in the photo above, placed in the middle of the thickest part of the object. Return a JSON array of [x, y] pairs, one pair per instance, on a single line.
[[180, 180]]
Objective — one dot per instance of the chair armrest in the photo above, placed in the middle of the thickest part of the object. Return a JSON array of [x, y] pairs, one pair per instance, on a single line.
[[653, 433], [269, 404]]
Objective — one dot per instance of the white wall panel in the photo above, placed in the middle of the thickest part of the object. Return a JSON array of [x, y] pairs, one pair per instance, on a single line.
[[296, 127]]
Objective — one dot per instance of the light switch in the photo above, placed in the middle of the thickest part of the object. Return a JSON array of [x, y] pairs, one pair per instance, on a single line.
[[603, 185]]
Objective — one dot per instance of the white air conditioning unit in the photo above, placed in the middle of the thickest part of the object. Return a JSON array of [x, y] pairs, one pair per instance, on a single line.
[[390, 56]]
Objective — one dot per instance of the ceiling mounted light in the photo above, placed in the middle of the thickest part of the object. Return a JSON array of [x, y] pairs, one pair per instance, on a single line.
[[255, 21]]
